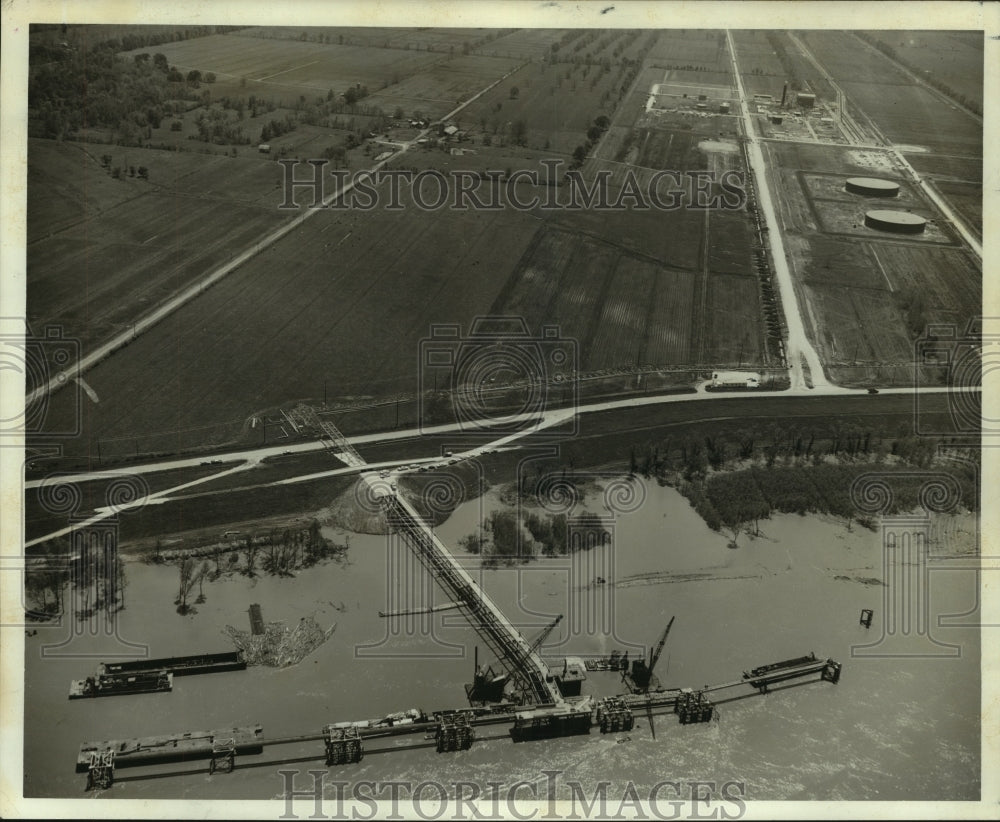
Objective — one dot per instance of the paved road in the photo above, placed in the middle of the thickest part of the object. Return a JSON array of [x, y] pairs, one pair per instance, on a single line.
[[798, 346], [533, 423]]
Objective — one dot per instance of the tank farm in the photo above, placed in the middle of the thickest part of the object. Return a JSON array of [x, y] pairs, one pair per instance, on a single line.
[[533, 699]]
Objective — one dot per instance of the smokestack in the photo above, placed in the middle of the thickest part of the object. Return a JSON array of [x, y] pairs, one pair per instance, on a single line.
[[784, 92]]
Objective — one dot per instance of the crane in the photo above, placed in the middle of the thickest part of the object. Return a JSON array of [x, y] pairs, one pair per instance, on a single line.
[[640, 677], [655, 655], [488, 685]]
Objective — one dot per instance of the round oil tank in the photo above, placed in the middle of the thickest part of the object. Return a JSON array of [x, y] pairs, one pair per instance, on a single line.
[[901, 222], [872, 187]]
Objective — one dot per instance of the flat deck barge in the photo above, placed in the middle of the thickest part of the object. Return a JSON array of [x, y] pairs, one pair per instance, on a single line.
[[180, 665]]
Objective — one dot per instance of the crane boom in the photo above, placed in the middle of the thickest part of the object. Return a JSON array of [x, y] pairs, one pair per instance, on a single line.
[[537, 642], [655, 656]]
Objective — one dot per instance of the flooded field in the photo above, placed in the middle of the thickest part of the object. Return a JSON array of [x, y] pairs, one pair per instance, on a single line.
[[796, 588]]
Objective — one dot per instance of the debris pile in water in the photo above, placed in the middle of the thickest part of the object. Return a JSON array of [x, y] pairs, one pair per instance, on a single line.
[[280, 646]]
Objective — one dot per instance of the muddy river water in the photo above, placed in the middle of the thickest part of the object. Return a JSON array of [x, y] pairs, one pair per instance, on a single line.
[[894, 727]]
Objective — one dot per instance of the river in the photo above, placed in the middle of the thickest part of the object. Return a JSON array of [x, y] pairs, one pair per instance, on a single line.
[[894, 727]]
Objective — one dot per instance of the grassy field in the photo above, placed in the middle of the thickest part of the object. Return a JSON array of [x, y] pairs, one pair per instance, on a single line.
[[557, 104], [103, 251], [904, 112], [284, 69], [954, 57], [340, 307], [437, 89]]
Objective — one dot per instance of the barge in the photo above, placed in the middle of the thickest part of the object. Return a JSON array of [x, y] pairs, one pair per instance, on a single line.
[[149, 682], [180, 665]]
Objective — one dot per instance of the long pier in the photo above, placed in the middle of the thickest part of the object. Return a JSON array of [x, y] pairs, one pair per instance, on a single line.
[[504, 640], [451, 730]]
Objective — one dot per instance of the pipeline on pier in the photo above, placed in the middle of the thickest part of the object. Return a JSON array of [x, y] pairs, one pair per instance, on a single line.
[[451, 730]]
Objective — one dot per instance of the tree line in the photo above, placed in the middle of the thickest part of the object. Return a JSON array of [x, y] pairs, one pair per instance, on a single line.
[[502, 541]]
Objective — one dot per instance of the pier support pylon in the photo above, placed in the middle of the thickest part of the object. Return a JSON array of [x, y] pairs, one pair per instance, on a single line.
[[694, 706], [454, 733], [101, 771], [223, 756], [343, 745], [613, 715]]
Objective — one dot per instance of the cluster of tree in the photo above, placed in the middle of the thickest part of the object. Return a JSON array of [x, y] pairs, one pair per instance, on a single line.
[[116, 171], [216, 125], [692, 456], [913, 302], [99, 89], [931, 79], [278, 554], [739, 500], [275, 128], [550, 535], [96, 580], [599, 126]]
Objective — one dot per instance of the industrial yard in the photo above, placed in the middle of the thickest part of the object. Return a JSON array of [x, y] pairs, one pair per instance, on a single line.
[[548, 475]]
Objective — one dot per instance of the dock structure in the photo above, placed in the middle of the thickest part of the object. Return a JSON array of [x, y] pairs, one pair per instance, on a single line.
[[452, 730], [514, 653], [172, 747]]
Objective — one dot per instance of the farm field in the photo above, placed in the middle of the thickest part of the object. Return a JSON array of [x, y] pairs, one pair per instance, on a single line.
[[967, 199], [103, 251], [331, 304], [905, 113], [313, 300], [954, 57], [702, 50], [437, 89], [555, 109], [420, 39], [284, 69]]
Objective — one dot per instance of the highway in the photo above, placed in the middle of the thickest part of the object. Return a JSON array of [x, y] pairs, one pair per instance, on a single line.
[[757, 403]]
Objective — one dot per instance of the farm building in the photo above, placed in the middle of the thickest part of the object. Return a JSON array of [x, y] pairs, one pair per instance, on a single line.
[[735, 379], [264, 148]]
